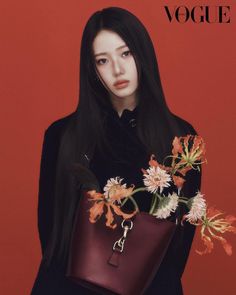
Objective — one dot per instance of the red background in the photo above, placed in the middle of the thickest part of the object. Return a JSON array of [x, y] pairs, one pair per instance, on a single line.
[[39, 74]]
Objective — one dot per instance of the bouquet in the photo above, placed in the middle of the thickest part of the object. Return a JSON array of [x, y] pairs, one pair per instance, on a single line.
[[188, 153]]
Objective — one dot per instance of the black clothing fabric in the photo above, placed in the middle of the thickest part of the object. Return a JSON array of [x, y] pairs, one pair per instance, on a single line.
[[130, 157]]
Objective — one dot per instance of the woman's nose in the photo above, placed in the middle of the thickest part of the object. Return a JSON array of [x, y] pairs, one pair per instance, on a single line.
[[117, 68]]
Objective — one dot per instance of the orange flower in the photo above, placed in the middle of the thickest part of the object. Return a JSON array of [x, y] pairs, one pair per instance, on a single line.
[[153, 163], [178, 181], [188, 151], [101, 202], [213, 224], [184, 170], [177, 146]]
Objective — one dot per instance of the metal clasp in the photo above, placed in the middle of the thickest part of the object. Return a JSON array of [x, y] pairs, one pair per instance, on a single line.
[[119, 245]]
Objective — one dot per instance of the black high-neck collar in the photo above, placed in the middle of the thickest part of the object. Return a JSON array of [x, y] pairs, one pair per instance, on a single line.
[[125, 114]]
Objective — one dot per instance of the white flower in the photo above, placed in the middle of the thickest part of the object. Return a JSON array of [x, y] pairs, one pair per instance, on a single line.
[[112, 185], [197, 206], [166, 205], [156, 178]]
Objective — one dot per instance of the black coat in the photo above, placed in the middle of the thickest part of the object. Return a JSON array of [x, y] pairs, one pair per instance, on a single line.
[[123, 136]]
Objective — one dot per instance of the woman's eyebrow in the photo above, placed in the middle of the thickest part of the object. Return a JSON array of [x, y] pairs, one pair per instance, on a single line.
[[104, 53]]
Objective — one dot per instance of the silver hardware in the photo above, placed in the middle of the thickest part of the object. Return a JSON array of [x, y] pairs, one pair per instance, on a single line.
[[86, 157], [129, 221], [119, 245], [132, 122]]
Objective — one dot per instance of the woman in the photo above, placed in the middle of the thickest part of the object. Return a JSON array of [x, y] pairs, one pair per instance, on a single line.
[[122, 118]]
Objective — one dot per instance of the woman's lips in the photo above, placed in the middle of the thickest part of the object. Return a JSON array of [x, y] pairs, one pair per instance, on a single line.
[[121, 84]]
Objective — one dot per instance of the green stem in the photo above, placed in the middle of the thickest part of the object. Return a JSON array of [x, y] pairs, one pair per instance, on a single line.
[[135, 204], [138, 190], [184, 198], [132, 200], [125, 200], [183, 201], [154, 202]]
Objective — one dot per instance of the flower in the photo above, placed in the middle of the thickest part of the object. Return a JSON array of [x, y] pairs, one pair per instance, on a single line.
[[101, 202], [112, 186], [197, 207], [166, 205], [188, 151], [155, 178], [213, 224], [178, 181], [177, 146], [152, 162]]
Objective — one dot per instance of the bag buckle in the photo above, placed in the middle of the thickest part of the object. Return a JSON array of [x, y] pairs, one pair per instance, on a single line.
[[119, 245]]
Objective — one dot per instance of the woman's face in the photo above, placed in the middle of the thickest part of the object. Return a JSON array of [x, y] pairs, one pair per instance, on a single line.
[[115, 64]]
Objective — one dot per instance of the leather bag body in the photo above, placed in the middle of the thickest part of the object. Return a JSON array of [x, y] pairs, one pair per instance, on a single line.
[[94, 264]]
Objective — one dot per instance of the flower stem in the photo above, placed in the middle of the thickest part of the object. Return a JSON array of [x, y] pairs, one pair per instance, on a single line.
[[182, 201], [125, 200], [138, 190], [184, 198], [135, 204], [155, 197], [132, 200]]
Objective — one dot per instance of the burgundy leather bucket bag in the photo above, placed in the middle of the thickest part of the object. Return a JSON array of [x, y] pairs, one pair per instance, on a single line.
[[123, 260]]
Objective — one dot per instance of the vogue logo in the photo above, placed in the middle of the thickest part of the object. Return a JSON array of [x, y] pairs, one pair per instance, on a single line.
[[199, 14]]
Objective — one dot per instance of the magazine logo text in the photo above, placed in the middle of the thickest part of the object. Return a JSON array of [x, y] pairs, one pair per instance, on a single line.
[[198, 14]]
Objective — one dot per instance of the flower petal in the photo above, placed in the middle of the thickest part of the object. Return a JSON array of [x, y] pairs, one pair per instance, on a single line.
[[178, 181], [122, 193], [152, 161], [227, 247], [177, 146], [93, 195], [208, 243], [119, 212], [96, 211], [230, 218], [109, 217]]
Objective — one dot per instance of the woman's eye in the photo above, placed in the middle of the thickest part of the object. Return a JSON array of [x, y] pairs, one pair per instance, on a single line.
[[126, 53], [101, 61]]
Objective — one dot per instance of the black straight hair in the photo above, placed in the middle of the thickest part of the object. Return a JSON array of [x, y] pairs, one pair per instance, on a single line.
[[156, 125]]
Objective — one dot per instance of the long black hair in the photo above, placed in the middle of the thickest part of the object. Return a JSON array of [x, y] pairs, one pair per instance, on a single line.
[[156, 125]]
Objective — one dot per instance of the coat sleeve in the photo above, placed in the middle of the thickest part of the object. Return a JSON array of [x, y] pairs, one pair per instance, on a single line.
[[46, 187]]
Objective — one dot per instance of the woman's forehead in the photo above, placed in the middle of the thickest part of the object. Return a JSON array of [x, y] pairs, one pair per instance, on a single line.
[[106, 41]]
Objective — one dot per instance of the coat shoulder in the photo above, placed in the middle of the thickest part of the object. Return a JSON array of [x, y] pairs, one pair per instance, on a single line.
[[56, 128], [185, 126]]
